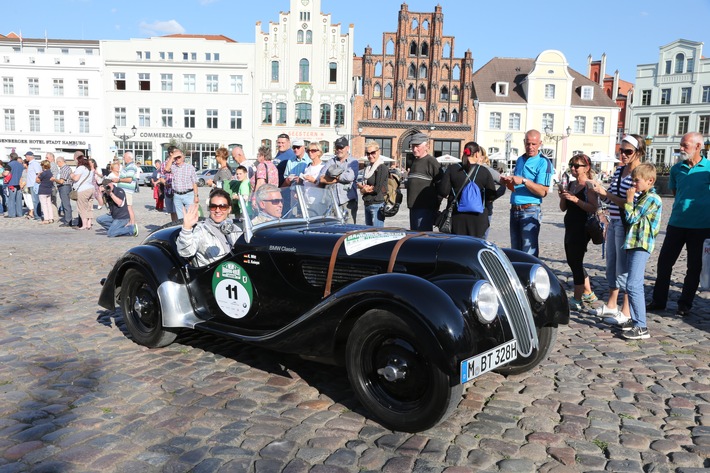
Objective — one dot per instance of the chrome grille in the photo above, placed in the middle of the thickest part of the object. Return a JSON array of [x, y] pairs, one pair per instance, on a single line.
[[511, 295], [315, 273]]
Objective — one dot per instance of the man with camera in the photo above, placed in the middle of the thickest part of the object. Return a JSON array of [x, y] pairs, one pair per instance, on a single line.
[[117, 221]]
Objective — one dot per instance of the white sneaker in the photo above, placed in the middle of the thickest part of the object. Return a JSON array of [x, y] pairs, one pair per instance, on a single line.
[[602, 311], [617, 319]]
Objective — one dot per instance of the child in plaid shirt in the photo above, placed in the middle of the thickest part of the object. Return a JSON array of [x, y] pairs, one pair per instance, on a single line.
[[643, 215]]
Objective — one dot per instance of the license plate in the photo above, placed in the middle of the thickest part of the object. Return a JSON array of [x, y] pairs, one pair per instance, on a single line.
[[493, 358]]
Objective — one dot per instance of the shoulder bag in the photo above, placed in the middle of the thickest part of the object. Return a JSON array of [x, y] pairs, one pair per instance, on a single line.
[[74, 193]]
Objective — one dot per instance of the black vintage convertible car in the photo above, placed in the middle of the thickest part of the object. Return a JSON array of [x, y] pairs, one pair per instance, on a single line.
[[412, 316]]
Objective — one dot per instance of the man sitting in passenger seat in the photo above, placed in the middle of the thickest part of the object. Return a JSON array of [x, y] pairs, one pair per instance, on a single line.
[[269, 203]]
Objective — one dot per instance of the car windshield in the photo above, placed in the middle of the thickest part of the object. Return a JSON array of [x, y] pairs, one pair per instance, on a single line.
[[272, 205]]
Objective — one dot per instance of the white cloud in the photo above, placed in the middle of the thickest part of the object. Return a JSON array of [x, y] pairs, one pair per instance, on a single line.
[[162, 27]]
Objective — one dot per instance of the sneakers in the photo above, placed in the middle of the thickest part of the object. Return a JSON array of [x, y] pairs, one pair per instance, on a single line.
[[626, 326], [589, 298], [575, 304], [636, 333], [617, 319], [602, 311]]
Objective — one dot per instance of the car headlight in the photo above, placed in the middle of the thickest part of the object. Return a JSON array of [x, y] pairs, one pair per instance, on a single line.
[[485, 301], [539, 283]]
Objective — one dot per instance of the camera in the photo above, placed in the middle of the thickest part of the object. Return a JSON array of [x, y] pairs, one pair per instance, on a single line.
[[107, 188]]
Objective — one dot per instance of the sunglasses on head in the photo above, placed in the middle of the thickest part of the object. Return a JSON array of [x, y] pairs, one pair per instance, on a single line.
[[627, 151], [219, 206], [274, 201]]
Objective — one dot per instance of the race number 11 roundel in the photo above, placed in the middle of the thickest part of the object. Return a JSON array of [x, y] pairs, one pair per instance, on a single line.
[[232, 289]]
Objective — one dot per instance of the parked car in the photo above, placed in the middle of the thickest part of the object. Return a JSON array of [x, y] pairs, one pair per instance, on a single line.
[[204, 175], [411, 316], [144, 175]]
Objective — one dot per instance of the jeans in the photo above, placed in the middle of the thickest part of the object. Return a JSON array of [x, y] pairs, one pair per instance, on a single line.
[[676, 237], [66, 203], [374, 215], [421, 219], [115, 228], [636, 260], [185, 200], [525, 229], [14, 202], [616, 267], [352, 208], [35, 204]]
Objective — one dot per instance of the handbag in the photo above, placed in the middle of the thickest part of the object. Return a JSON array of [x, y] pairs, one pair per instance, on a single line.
[[443, 220], [595, 228], [74, 194]]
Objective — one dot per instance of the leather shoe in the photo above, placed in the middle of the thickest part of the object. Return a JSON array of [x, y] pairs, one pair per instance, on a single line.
[[682, 311], [654, 306]]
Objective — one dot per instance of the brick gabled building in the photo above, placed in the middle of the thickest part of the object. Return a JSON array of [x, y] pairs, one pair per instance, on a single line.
[[414, 85]]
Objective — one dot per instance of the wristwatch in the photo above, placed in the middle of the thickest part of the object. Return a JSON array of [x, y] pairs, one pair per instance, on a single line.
[[524, 181]]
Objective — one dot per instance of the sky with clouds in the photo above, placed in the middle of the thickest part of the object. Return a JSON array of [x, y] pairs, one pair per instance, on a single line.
[[629, 32]]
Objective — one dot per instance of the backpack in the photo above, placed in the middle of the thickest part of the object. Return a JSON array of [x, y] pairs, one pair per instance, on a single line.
[[470, 198], [393, 198]]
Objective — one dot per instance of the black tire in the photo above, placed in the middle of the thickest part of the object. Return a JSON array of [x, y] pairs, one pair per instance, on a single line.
[[547, 336], [200, 182], [418, 401], [141, 310]]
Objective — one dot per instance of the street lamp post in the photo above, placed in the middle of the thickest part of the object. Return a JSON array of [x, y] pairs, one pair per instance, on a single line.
[[557, 138], [124, 137]]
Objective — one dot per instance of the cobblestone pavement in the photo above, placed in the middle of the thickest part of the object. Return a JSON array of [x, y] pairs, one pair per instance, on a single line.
[[77, 395]]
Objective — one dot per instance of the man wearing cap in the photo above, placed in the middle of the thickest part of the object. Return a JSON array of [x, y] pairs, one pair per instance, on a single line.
[[342, 171], [33, 170], [283, 155], [14, 198], [424, 173], [296, 165], [117, 221], [528, 184]]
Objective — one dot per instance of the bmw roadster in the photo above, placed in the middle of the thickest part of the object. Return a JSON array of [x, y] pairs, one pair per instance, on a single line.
[[411, 316]]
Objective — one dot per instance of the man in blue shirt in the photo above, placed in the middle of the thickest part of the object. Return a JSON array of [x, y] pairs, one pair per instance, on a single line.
[[689, 224], [14, 197], [296, 165], [528, 184], [284, 154]]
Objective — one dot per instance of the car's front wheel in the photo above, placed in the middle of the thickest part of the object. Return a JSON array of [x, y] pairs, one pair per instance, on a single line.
[[393, 376], [141, 310]]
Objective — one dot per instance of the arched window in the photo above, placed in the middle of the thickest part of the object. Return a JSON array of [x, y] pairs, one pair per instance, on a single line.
[[447, 50], [454, 94], [378, 69], [422, 71], [422, 92], [456, 73], [376, 112], [415, 24], [388, 112], [281, 113], [413, 48], [377, 90], [339, 115], [410, 114], [299, 37], [443, 115], [266, 113], [445, 73], [425, 25], [410, 92], [325, 114], [389, 68], [389, 49], [420, 114], [388, 91], [309, 37], [412, 72], [303, 70], [454, 115], [679, 63], [444, 94], [425, 49]]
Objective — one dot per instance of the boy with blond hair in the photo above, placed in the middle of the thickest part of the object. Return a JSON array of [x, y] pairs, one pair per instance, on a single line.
[[643, 216]]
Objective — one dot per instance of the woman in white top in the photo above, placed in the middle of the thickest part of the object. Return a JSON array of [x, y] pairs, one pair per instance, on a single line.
[[83, 179], [311, 176]]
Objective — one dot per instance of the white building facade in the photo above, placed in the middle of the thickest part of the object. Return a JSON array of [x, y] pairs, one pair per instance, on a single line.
[[672, 97], [303, 70], [191, 90], [52, 96]]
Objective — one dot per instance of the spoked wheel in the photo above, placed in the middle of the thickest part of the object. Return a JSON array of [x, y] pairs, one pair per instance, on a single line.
[[546, 336], [141, 310], [393, 376]]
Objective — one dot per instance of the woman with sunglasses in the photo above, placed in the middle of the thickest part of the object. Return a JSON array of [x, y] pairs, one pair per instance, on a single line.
[[211, 239], [577, 201], [631, 152], [374, 185]]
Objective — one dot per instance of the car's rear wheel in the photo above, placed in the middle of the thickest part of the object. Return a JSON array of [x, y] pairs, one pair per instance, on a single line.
[[393, 375], [546, 336], [141, 310]]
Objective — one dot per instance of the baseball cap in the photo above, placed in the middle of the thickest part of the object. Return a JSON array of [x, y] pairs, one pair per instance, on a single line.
[[297, 142], [341, 142], [30, 153]]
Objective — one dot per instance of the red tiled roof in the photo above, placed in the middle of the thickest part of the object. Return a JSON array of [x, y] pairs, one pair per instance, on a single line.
[[209, 37]]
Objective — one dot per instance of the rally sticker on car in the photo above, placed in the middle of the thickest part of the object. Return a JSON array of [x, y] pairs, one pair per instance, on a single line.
[[232, 289], [361, 241]]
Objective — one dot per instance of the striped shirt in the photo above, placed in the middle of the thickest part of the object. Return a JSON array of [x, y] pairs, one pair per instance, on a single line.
[[618, 190], [644, 217]]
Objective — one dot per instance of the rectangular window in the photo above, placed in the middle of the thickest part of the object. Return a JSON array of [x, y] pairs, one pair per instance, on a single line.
[[494, 121], [170, 56], [665, 96], [339, 115], [646, 97], [189, 117], [8, 86], [643, 126], [119, 81], [668, 67], [83, 122], [385, 145], [235, 119], [685, 95], [281, 113], [143, 81], [267, 113], [548, 122], [706, 94], [442, 147], [704, 124], [166, 82], [33, 85], [34, 120], [189, 82], [193, 56], [58, 87], [598, 126], [119, 116], [662, 126], [185, 56], [236, 84], [325, 114], [333, 72], [587, 93], [580, 124], [83, 87], [303, 114], [216, 56], [144, 117], [161, 54], [166, 117], [212, 118], [212, 83], [513, 121], [683, 121], [9, 119], [59, 121], [549, 91], [208, 56], [274, 71]]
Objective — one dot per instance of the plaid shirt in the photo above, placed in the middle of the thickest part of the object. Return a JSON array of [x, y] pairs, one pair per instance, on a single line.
[[65, 174], [644, 218], [184, 176]]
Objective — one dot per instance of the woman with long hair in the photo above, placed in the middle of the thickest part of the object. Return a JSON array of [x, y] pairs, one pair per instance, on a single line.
[[83, 177]]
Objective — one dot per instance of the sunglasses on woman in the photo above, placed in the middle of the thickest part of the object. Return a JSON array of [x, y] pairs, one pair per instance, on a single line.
[[577, 165], [627, 151], [219, 206]]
